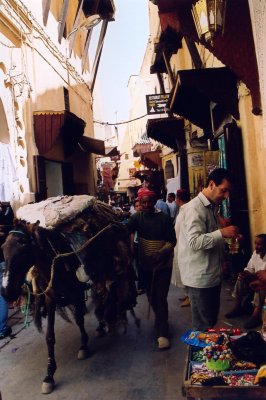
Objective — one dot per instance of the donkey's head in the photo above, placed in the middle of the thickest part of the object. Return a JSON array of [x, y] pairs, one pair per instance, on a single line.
[[19, 257]]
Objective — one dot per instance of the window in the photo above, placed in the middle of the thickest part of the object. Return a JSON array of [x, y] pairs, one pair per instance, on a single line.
[[66, 99], [169, 170]]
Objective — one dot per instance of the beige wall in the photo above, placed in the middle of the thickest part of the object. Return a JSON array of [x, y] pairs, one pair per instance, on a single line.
[[255, 163], [33, 72]]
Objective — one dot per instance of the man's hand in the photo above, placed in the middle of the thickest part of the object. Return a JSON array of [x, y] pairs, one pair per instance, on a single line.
[[230, 231], [261, 275], [247, 276], [257, 285]]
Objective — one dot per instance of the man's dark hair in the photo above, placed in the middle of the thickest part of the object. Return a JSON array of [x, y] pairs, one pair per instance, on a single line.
[[172, 195], [263, 237], [183, 195], [135, 201], [218, 175]]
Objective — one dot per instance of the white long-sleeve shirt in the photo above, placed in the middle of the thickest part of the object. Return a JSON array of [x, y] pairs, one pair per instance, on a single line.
[[256, 263], [200, 244]]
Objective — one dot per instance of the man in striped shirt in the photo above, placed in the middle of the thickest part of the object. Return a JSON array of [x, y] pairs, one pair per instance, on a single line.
[[156, 248]]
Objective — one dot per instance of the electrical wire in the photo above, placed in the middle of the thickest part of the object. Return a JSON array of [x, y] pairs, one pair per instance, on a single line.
[[119, 123]]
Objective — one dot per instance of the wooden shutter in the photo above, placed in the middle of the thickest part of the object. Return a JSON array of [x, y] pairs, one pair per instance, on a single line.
[[98, 53], [85, 50], [75, 27], [62, 21], [40, 178], [45, 10]]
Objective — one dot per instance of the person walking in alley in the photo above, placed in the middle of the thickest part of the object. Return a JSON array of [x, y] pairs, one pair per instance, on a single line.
[[243, 291], [172, 206], [182, 197], [161, 205], [200, 248], [134, 242], [157, 239], [6, 220]]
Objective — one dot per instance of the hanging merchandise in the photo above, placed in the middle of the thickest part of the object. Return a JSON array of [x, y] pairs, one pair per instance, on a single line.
[[224, 208], [7, 172], [200, 165]]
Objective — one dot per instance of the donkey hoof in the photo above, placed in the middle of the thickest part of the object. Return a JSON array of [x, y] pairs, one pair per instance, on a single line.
[[83, 353], [48, 386]]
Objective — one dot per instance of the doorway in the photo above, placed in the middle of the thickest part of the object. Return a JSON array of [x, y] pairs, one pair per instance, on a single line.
[[54, 180]]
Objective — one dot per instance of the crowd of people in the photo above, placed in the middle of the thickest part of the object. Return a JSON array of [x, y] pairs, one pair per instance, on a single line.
[[185, 245], [182, 240]]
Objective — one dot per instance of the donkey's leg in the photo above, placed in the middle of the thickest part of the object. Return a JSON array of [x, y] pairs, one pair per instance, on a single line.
[[79, 318], [136, 319], [48, 382]]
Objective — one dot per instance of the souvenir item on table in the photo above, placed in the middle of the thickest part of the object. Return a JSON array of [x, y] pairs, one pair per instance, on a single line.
[[228, 331], [218, 357], [239, 379], [202, 339], [199, 372], [241, 365], [197, 354]]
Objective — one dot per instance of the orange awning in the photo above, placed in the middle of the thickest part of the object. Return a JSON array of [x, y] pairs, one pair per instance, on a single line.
[[152, 159]]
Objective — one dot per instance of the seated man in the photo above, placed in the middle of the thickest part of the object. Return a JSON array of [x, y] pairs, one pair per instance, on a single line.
[[260, 282], [244, 285]]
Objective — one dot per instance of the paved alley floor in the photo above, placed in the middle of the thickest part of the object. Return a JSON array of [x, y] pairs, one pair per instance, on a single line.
[[121, 367]]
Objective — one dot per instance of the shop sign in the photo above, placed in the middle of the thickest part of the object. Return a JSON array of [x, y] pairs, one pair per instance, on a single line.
[[157, 103]]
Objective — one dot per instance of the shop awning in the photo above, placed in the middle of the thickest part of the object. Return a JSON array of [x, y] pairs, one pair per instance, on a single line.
[[142, 145], [140, 148], [50, 125], [111, 151], [91, 145], [168, 43], [152, 159], [97, 146], [235, 48], [168, 131], [196, 88]]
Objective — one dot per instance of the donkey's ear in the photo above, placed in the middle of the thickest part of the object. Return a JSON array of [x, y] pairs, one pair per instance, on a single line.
[[33, 227]]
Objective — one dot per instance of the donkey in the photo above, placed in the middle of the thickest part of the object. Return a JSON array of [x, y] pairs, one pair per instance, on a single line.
[[55, 283]]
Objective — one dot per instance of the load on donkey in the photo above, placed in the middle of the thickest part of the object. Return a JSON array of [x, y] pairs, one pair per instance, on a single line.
[[69, 243]]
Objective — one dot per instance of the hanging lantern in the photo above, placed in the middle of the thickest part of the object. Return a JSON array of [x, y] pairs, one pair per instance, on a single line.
[[209, 17]]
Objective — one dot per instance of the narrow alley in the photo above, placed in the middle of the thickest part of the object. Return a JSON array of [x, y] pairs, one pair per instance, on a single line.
[[121, 367]]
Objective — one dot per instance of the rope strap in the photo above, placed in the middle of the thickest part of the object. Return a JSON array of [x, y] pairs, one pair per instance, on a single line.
[[64, 255], [25, 308]]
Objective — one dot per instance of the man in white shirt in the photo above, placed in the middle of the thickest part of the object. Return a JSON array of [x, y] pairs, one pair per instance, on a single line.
[[172, 206], [242, 290], [200, 249]]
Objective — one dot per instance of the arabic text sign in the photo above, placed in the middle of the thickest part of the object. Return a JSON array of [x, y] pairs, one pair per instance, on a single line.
[[156, 103]]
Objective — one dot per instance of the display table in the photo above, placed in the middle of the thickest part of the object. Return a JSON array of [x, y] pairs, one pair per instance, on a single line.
[[197, 391]]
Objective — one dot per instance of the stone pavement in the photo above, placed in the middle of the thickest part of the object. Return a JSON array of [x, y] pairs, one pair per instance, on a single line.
[[121, 367]]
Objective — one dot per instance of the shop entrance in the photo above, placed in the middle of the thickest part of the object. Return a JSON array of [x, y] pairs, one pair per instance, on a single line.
[[52, 178]]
